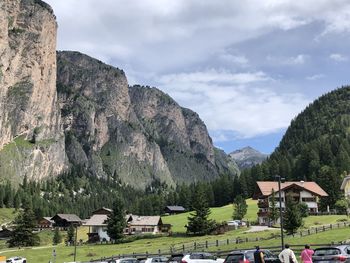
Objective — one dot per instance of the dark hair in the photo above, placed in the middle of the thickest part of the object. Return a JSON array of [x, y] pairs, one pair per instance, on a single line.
[[286, 246], [307, 246], [257, 247]]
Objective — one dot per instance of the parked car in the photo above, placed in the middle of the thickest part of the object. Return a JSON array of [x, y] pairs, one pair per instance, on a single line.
[[332, 254], [16, 260], [247, 256], [199, 257], [175, 258], [236, 223], [124, 260], [156, 259]]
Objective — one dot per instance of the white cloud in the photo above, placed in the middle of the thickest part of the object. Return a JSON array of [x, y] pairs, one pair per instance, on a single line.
[[213, 76], [296, 60], [315, 77], [246, 107], [338, 57], [158, 34]]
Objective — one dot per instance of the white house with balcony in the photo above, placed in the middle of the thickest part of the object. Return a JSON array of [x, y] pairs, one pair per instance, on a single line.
[[300, 192]]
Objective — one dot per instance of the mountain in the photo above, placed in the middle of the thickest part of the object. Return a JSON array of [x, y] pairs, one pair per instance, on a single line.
[[31, 138], [67, 110], [247, 157], [132, 134], [315, 147]]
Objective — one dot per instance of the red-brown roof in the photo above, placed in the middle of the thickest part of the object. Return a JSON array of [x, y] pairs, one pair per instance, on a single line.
[[266, 187]]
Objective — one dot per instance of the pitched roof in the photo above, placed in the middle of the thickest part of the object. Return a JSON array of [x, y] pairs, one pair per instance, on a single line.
[[345, 180], [145, 221], [175, 208], [97, 220], [266, 187], [48, 219], [103, 210], [68, 217]]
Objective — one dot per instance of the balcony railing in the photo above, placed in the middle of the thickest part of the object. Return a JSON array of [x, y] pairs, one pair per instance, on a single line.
[[263, 203]]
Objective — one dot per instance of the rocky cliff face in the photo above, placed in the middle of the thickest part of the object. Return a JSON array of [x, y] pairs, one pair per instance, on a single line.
[[91, 119], [247, 157], [28, 101], [135, 134]]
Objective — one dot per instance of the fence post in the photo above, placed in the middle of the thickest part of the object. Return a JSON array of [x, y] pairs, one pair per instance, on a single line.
[[316, 230], [324, 229], [301, 233], [159, 252], [227, 241], [206, 243], [146, 253], [195, 245], [246, 240], [183, 247], [308, 232], [217, 243]]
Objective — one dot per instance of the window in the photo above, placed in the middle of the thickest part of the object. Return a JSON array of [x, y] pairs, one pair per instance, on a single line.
[[308, 199]]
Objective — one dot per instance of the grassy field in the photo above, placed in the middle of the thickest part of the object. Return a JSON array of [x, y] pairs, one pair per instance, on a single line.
[[7, 215], [220, 214], [151, 245]]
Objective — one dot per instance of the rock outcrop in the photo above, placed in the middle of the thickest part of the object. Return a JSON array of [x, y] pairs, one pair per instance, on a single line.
[[132, 134], [89, 118], [247, 157], [28, 102]]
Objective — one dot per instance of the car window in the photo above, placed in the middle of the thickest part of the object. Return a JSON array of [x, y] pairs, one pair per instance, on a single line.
[[347, 250], [177, 258], [327, 251], [268, 254], [249, 255], [234, 258]]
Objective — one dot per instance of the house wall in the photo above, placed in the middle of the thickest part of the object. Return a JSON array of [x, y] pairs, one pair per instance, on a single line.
[[347, 189], [101, 231], [313, 205], [142, 230]]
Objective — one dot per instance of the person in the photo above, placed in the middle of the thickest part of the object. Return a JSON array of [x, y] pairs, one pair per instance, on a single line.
[[287, 255], [258, 255], [306, 254]]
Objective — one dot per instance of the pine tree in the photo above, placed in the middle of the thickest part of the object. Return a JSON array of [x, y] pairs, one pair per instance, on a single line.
[[116, 221], [239, 208], [273, 210], [57, 238], [70, 234], [25, 224], [198, 221], [292, 217]]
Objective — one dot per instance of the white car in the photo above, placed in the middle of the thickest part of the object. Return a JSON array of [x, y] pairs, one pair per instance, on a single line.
[[16, 260], [156, 259], [199, 257]]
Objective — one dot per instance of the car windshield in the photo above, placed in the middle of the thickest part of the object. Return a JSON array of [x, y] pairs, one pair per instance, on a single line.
[[201, 256], [327, 251], [176, 258], [160, 259], [234, 258]]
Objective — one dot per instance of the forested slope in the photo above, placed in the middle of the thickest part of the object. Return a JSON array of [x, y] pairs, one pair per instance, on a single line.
[[315, 147]]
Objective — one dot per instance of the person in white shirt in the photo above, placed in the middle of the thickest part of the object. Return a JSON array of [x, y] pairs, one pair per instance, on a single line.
[[287, 255]]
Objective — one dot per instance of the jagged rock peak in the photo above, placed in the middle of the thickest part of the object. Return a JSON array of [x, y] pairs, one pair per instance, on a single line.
[[247, 157]]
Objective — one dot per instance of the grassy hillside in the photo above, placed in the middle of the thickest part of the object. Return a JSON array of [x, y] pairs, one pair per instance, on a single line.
[[219, 214], [7, 215]]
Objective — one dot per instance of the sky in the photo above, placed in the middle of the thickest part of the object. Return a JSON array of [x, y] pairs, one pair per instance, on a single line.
[[246, 67]]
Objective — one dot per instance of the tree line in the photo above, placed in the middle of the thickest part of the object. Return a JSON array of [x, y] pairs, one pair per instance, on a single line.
[[81, 194]]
